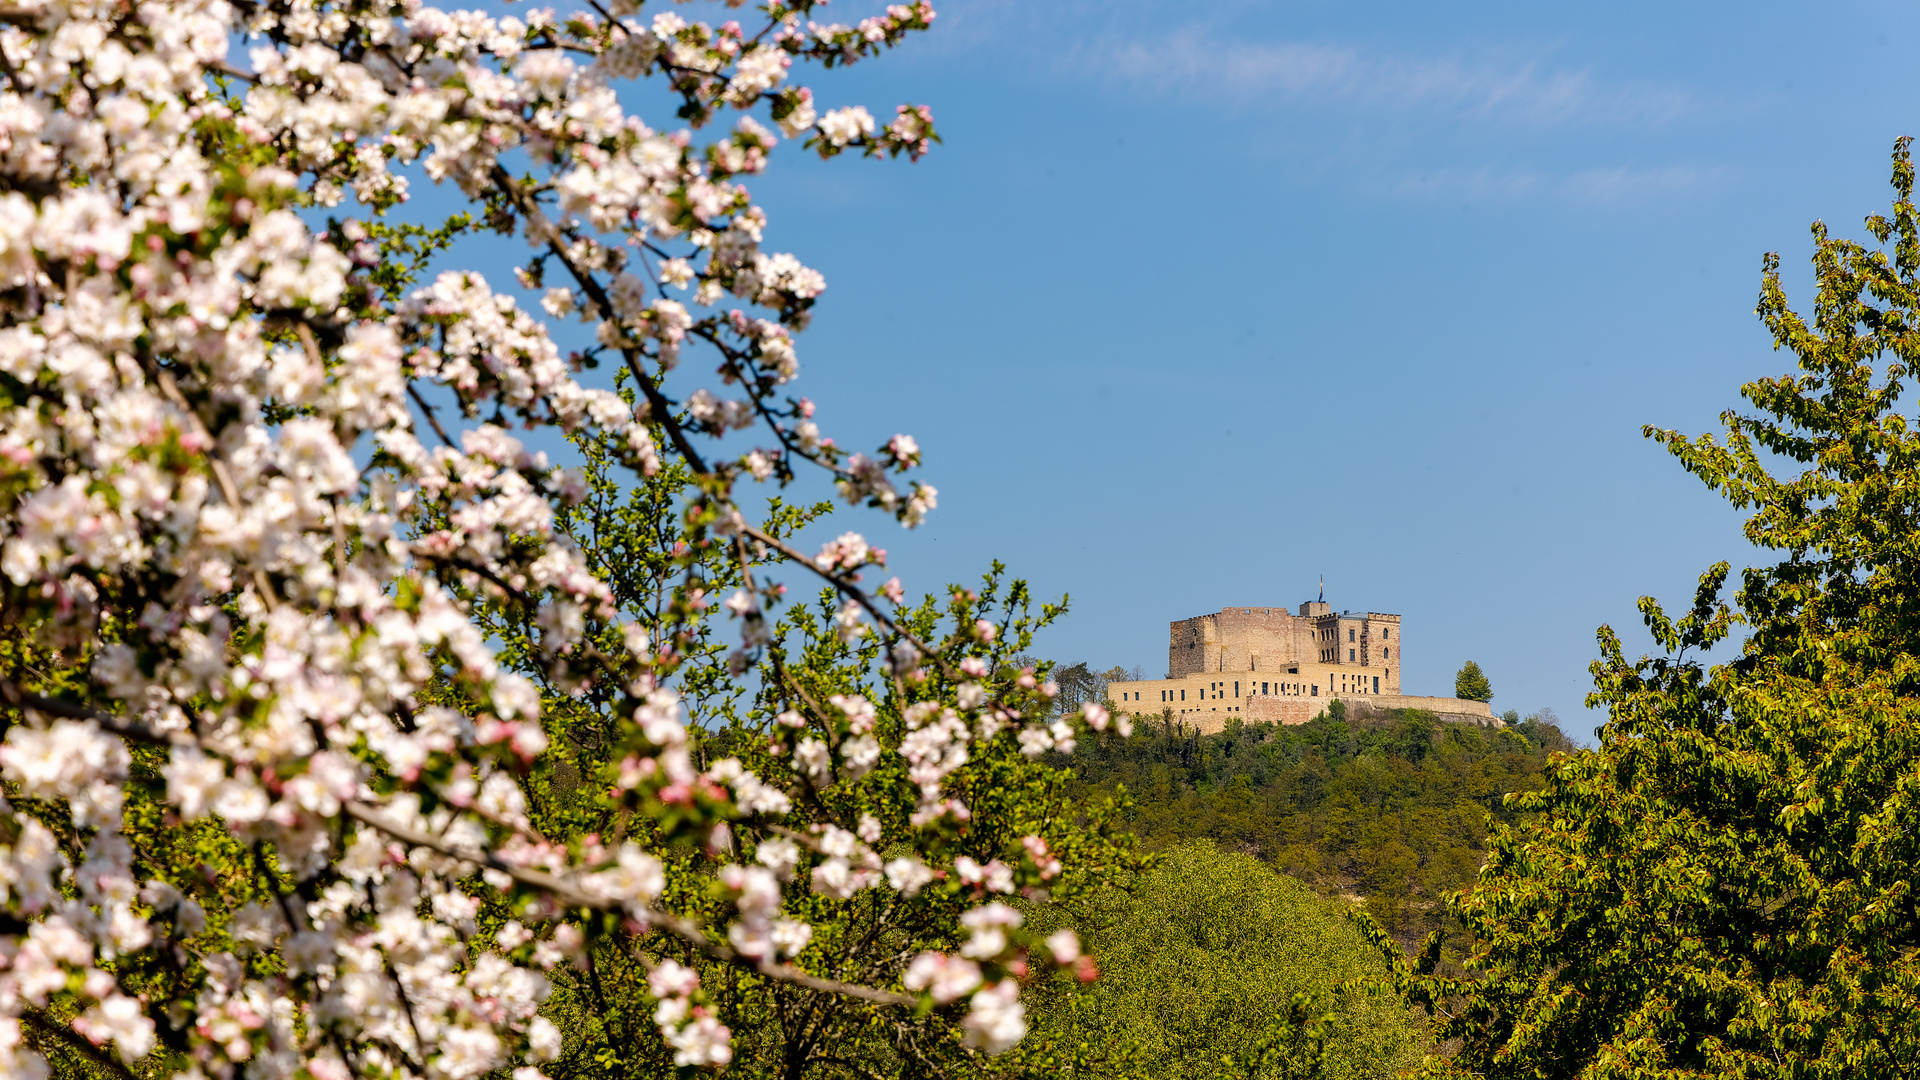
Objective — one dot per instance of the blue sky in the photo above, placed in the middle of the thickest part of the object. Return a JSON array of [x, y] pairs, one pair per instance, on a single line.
[[1199, 302], [1202, 301]]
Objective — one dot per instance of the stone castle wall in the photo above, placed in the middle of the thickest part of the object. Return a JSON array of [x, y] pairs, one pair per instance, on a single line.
[[1214, 696], [1290, 711], [1270, 664], [1269, 710], [1238, 639], [1273, 640]]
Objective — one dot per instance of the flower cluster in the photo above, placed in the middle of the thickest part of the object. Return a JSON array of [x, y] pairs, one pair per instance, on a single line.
[[262, 483]]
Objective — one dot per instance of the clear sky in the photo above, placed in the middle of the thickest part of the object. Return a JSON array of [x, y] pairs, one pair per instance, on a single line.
[[1200, 301]]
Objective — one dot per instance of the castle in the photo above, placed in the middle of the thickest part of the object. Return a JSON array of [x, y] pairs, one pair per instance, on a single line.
[[1269, 664]]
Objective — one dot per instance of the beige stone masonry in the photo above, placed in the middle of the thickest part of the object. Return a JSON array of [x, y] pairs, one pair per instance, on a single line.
[[1268, 664]]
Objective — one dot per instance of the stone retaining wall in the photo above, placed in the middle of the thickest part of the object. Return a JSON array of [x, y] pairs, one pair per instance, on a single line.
[[1291, 710]]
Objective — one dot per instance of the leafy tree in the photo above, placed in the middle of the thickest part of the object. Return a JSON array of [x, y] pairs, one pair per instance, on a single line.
[[1541, 729], [1471, 683], [1726, 886], [1079, 684], [783, 1028], [348, 734], [1216, 966]]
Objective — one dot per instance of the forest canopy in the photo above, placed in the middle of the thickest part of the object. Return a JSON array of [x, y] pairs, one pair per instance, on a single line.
[[1394, 810]]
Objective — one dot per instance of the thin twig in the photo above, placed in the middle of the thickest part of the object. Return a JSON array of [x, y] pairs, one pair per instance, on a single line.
[[228, 491], [414, 393], [400, 988], [482, 572], [858, 596]]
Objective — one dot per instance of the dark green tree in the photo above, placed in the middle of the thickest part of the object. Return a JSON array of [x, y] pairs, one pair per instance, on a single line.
[[1471, 683], [1078, 683], [1726, 886]]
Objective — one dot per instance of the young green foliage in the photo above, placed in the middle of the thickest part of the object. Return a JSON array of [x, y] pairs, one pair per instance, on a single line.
[[637, 536], [1216, 966], [1725, 888]]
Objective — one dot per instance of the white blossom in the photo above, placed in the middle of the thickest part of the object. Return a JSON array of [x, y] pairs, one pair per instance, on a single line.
[[311, 537], [996, 1019], [120, 1020], [842, 126], [944, 978]]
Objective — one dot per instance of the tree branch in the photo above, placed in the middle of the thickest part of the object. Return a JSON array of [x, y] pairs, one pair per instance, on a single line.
[[71, 1040], [13, 695], [685, 929]]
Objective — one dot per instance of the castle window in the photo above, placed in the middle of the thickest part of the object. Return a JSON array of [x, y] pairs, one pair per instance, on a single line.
[[1384, 653], [1236, 688], [1263, 688], [1376, 684], [1349, 654], [1385, 634], [1349, 633], [1316, 689]]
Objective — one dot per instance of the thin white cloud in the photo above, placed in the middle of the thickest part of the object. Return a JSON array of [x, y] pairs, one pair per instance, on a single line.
[[1625, 182], [1297, 73], [1615, 184], [1486, 182]]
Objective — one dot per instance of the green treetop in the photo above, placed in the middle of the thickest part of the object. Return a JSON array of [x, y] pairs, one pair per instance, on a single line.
[[1726, 886], [1216, 966], [1471, 683]]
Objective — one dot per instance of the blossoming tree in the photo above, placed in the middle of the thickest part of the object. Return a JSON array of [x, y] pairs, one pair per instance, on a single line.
[[347, 731]]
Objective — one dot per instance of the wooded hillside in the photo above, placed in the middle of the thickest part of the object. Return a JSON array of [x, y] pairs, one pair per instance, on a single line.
[[1394, 810]]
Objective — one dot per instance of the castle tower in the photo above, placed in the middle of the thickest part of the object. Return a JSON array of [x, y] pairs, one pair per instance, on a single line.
[[1255, 663]]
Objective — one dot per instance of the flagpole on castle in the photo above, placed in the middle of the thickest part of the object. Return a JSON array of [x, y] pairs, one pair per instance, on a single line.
[[1323, 588]]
